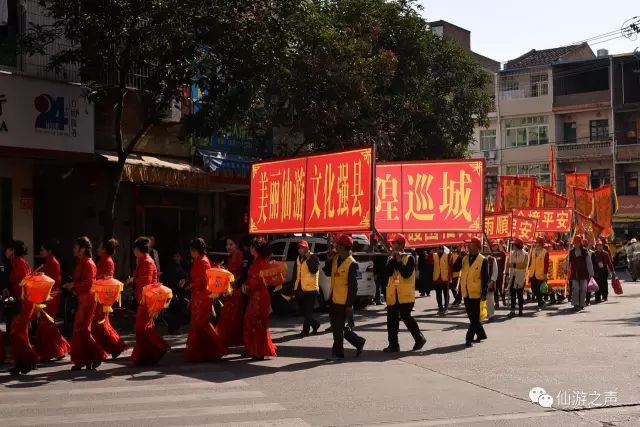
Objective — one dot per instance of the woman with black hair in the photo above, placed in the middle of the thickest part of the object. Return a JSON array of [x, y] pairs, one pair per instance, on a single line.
[[104, 333], [85, 351], [230, 324], [49, 342], [204, 344], [256, 335], [22, 352], [150, 346]]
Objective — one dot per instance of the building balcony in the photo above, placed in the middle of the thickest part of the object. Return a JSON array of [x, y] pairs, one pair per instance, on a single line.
[[574, 101], [628, 153], [583, 151]]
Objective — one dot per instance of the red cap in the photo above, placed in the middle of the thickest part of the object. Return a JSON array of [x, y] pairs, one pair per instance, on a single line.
[[345, 240], [398, 238], [476, 241], [303, 244], [577, 238], [518, 242], [539, 239]]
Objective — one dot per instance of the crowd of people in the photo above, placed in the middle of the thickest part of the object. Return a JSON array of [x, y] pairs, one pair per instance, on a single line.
[[463, 273]]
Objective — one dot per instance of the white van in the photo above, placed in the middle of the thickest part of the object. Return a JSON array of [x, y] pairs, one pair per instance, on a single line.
[[286, 249]]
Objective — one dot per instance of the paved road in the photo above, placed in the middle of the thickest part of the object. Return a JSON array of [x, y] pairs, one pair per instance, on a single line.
[[582, 360]]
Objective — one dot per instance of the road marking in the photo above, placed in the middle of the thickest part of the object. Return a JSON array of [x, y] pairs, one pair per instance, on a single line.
[[471, 420], [112, 417], [17, 404], [285, 422], [168, 399], [134, 388]]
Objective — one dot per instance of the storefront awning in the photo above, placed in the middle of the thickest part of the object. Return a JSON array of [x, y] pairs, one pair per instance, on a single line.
[[628, 209], [161, 171]]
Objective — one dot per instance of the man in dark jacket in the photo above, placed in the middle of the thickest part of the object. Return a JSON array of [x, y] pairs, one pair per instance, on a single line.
[[306, 275]]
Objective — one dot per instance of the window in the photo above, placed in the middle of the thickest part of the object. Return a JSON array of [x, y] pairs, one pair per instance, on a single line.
[[631, 183], [527, 131], [9, 33], [491, 187], [487, 139], [599, 130], [539, 170], [600, 177], [570, 134], [539, 84]]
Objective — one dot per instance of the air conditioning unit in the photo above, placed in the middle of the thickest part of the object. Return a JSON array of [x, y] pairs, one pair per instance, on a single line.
[[172, 113]]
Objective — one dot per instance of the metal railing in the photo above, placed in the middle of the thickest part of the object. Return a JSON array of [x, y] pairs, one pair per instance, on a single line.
[[583, 150]]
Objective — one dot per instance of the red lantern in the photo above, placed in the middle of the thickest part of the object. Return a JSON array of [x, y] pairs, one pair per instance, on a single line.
[[274, 275], [218, 280], [37, 288], [107, 292], [157, 297]]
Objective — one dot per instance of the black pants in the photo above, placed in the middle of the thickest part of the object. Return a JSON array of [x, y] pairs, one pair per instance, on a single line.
[[380, 288], [603, 289], [519, 292], [394, 314], [535, 288], [457, 295], [306, 301], [499, 292], [442, 295], [472, 306], [338, 318]]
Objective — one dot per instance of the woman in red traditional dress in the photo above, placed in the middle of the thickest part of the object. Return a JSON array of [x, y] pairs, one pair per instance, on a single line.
[[85, 351], [204, 343], [150, 346], [22, 352], [231, 319], [49, 342], [256, 335], [104, 333]]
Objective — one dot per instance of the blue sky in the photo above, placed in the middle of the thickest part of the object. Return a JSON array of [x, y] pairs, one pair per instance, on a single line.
[[504, 30]]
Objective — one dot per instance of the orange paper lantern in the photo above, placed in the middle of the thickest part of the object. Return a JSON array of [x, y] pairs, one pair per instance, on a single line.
[[157, 297], [37, 287], [107, 292], [274, 275], [218, 280]]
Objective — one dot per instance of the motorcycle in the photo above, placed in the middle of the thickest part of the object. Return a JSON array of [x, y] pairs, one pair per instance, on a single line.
[[634, 266]]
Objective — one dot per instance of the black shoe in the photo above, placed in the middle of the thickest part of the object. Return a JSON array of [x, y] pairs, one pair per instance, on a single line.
[[114, 356], [469, 344], [329, 329], [76, 368], [604, 299], [360, 348], [520, 314], [314, 331], [14, 372], [479, 340], [303, 334], [511, 315], [337, 356], [420, 343], [391, 349], [422, 294]]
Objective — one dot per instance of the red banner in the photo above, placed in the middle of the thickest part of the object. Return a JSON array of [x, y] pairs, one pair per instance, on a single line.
[[549, 220], [587, 228], [583, 200], [516, 192], [424, 240], [430, 196], [524, 228], [498, 226], [328, 192], [551, 199], [572, 180], [602, 205]]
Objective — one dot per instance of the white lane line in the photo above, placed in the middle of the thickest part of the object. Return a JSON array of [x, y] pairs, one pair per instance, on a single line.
[[124, 389], [165, 399], [284, 422], [112, 417], [471, 420], [17, 404]]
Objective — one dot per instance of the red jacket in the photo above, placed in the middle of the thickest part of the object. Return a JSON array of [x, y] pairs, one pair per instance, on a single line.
[[146, 274], [106, 267], [51, 268], [84, 275], [19, 270], [198, 273], [234, 264]]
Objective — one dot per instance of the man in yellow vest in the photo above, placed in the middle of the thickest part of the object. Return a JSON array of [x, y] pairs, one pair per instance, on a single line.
[[474, 283], [401, 296], [342, 268], [306, 275], [538, 270], [442, 273]]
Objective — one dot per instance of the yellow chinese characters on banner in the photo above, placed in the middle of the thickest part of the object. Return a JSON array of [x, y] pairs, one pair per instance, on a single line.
[[516, 192], [498, 226]]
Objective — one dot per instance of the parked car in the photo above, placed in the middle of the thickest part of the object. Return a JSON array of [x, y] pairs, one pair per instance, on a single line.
[[286, 249]]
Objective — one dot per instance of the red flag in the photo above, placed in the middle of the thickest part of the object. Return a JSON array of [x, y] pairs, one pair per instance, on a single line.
[[602, 205], [583, 200], [516, 192], [581, 180]]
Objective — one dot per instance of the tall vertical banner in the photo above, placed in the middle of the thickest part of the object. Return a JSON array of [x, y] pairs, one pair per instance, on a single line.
[[588, 228], [572, 180], [516, 192], [552, 166], [583, 200], [602, 199], [428, 197], [552, 199], [323, 193]]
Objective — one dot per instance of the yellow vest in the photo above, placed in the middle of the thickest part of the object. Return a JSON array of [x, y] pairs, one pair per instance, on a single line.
[[454, 258], [309, 281], [441, 267], [340, 280], [536, 267], [471, 277], [403, 288]]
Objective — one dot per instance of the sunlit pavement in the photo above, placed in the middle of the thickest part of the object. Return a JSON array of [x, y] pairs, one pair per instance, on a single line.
[[587, 363]]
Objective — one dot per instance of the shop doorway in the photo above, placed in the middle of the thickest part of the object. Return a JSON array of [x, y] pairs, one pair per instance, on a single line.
[[6, 226], [173, 228]]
